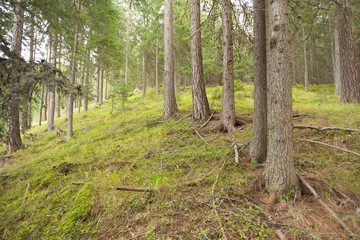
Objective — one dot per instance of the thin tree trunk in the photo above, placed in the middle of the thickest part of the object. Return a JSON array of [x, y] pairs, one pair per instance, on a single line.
[[306, 74], [106, 85], [317, 76], [42, 103], [337, 64], [97, 84], [170, 106], [50, 123], [70, 105], [46, 103], [157, 68], [200, 109], [258, 146], [279, 171], [86, 97], [58, 109], [144, 75], [82, 85], [13, 138], [102, 87], [127, 55], [228, 102]]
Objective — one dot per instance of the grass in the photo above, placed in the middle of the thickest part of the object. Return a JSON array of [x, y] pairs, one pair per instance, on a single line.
[[135, 147]]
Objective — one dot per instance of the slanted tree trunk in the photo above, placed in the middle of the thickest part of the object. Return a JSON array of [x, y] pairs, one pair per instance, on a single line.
[[157, 68], [201, 109], [349, 75], [144, 75], [13, 138], [170, 106], [50, 123], [70, 100], [279, 171], [258, 146], [228, 102], [102, 87], [306, 72]]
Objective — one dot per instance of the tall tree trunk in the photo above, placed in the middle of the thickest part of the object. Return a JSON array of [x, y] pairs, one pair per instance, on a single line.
[[87, 87], [58, 108], [50, 123], [228, 102], [13, 138], [200, 109], [337, 64], [97, 83], [70, 101], [170, 106], [258, 147], [42, 103], [306, 73], [316, 61], [46, 103], [82, 85], [102, 87], [144, 75], [106, 85], [157, 68], [349, 75], [126, 55], [279, 169]]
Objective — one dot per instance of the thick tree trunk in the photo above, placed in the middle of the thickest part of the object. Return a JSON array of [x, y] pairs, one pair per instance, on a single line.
[[306, 73], [157, 68], [70, 99], [170, 106], [144, 75], [201, 109], [279, 169], [336, 64], [228, 102], [13, 138], [50, 123], [258, 146], [349, 75], [102, 87]]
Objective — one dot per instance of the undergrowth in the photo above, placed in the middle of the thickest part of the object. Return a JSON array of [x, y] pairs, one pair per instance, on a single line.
[[71, 184]]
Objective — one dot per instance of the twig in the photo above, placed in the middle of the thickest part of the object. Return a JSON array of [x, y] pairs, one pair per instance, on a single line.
[[326, 128], [301, 115], [213, 202], [59, 131], [325, 206], [212, 114], [78, 183], [183, 118], [328, 145], [280, 234], [205, 140], [135, 189], [26, 192]]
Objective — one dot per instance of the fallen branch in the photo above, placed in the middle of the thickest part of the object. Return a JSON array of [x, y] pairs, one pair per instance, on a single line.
[[78, 183], [213, 202], [328, 145], [135, 189], [59, 131], [26, 192], [326, 128], [183, 118], [236, 154], [205, 140], [212, 114], [280, 234], [301, 115], [325, 206], [6, 157]]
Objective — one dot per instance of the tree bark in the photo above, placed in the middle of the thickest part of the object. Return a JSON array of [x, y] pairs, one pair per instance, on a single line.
[[279, 169], [157, 68], [349, 75], [13, 141], [170, 106], [228, 102], [97, 83], [70, 100], [106, 85], [306, 73], [87, 87], [144, 75], [50, 123], [337, 64], [258, 146], [41, 103], [102, 87], [201, 109]]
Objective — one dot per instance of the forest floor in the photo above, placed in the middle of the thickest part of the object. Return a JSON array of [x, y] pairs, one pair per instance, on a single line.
[[59, 189]]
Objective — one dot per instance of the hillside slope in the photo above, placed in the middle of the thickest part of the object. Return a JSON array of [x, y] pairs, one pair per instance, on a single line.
[[59, 189]]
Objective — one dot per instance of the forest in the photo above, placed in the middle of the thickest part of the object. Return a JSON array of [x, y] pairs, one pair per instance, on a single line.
[[179, 119]]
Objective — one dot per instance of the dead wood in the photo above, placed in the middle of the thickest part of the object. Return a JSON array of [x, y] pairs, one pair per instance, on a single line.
[[135, 189], [211, 116], [78, 183], [280, 234], [328, 145], [205, 140], [58, 130], [237, 151], [26, 192], [189, 115], [326, 128], [316, 195]]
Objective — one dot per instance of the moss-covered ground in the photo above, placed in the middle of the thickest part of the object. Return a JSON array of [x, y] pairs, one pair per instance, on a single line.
[[59, 189]]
